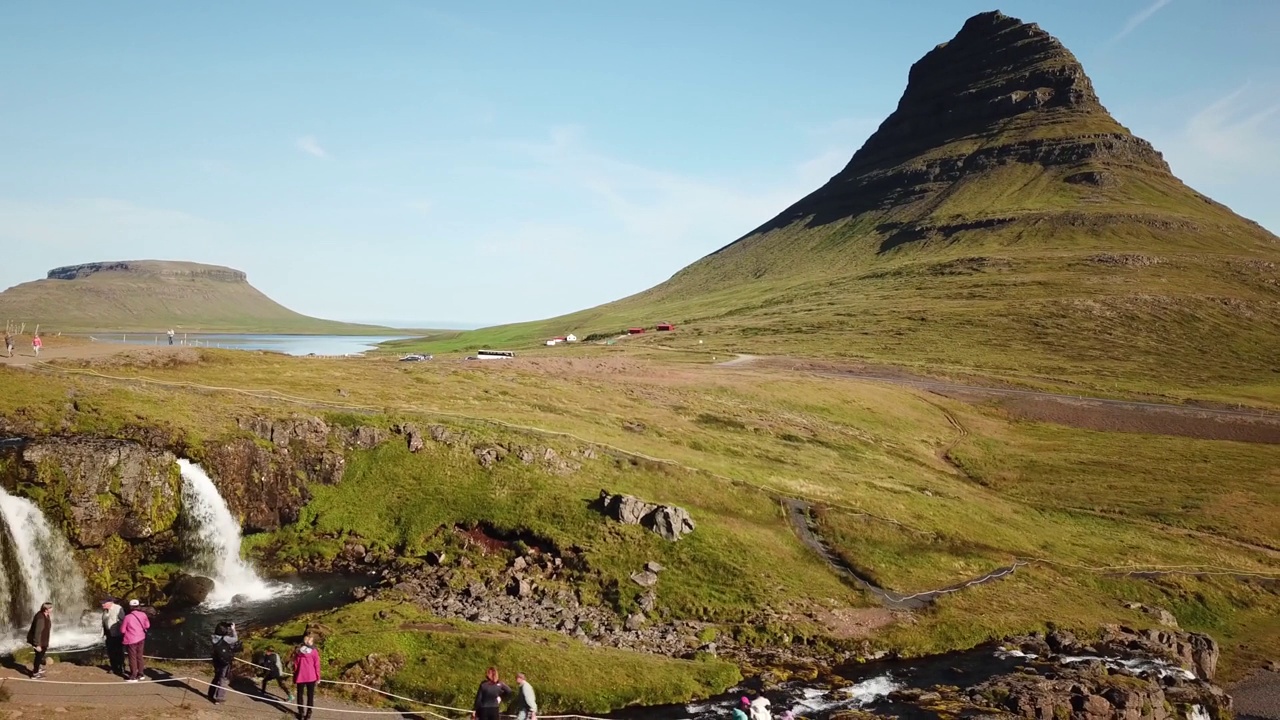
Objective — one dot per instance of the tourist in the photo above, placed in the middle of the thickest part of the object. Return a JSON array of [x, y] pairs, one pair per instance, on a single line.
[[112, 615], [525, 706], [8, 343], [38, 637], [170, 336], [274, 670], [740, 712], [225, 645], [36, 344], [133, 631], [490, 696], [306, 673], [760, 709]]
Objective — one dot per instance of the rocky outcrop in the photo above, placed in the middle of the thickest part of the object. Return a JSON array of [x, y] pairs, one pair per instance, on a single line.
[[1094, 691], [149, 267], [96, 489], [668, 521], [189, 590], [1194, 652]]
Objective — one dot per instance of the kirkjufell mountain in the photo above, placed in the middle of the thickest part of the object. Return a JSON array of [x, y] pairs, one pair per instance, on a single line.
[[1000, 220]]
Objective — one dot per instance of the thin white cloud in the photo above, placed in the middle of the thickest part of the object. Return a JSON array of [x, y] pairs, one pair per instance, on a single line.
[[1236, 136], [1140, 17], [660, 219], [311, 146]]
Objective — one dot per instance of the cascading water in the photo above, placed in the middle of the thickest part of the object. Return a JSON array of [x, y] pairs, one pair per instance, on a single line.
[[37, 567], [215, 540]]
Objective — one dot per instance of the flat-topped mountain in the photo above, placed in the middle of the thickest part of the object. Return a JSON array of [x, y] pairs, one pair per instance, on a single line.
[[1000, 220], [167, 268], [151, 295]]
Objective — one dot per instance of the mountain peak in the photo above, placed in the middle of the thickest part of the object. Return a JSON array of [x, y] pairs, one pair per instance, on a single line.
[[997, 75], [1000, 98]]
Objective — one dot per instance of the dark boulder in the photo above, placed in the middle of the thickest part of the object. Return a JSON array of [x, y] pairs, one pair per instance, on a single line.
[[189, 590]]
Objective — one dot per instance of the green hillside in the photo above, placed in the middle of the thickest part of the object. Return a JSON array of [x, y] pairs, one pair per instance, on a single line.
[[999, 221], [151, 295]]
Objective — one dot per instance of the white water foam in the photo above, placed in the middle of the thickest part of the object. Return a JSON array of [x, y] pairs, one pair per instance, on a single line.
[[1198, 712], [863, 693], [216, 543], [1159, 668], [39, 567]]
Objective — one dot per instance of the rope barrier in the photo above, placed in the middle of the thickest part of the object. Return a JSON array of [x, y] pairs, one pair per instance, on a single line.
[[379, 691], [275, 701]]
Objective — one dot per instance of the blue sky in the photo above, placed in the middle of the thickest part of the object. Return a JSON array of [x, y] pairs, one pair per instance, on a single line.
[[502, 161]]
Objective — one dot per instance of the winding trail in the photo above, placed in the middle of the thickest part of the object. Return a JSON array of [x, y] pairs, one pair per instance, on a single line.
[[798, 514]]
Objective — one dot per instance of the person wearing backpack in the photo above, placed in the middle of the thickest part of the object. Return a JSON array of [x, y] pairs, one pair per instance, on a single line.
[[225, 645], [274, 670]]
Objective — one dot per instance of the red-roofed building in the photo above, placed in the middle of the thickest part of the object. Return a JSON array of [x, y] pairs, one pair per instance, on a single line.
[[665, 327], [635, 331]]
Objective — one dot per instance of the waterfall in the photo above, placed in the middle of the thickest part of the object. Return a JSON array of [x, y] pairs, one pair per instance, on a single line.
[[215, 540], [37, 566]]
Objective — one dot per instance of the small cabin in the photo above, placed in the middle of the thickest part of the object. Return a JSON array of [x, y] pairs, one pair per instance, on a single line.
[[665, 327], [635, 331]]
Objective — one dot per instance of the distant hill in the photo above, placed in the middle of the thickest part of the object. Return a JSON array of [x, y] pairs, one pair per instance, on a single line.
[[999, 220], [154, 295]]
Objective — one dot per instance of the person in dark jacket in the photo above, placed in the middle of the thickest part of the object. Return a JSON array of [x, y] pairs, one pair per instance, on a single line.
[[225, 644], [490, 696], [38, 637], [274, 665]]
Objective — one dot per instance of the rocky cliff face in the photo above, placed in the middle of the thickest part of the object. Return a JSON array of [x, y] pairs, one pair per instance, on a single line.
[[149, 267], [119, 500], [1002, 92]]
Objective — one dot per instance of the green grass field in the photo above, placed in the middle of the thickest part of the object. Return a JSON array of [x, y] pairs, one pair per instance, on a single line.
[[1083, 503]]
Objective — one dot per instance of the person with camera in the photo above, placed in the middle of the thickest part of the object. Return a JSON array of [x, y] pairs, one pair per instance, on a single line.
[[225, 645]]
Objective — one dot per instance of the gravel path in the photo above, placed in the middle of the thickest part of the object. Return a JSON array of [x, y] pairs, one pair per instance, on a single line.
[[1257, 697], [73, 692]]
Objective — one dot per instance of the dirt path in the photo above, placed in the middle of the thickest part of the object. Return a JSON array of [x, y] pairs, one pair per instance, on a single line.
[[798, 514], [1257, 697], [1093, 413], [68, 348], [77, 692]]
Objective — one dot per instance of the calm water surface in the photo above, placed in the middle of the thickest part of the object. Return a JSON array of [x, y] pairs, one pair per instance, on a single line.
[[287, 344]]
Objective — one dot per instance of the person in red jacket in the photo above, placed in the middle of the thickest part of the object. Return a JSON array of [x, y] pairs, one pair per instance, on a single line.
[[306, 673]]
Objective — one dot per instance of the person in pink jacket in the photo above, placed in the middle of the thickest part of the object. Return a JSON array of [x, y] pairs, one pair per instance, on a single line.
[[306, 673], [133, 631]]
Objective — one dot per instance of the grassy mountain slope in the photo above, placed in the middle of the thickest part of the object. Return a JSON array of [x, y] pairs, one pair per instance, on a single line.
[[155, 295], [1000, 220]]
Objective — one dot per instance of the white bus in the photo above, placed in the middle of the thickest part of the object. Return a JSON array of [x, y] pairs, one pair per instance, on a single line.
[[494, 354]]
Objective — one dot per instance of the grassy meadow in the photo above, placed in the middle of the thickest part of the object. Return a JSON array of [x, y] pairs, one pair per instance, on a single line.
[[727, 443]]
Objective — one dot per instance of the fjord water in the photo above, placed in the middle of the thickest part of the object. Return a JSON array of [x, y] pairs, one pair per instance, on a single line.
[[287, 344]]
